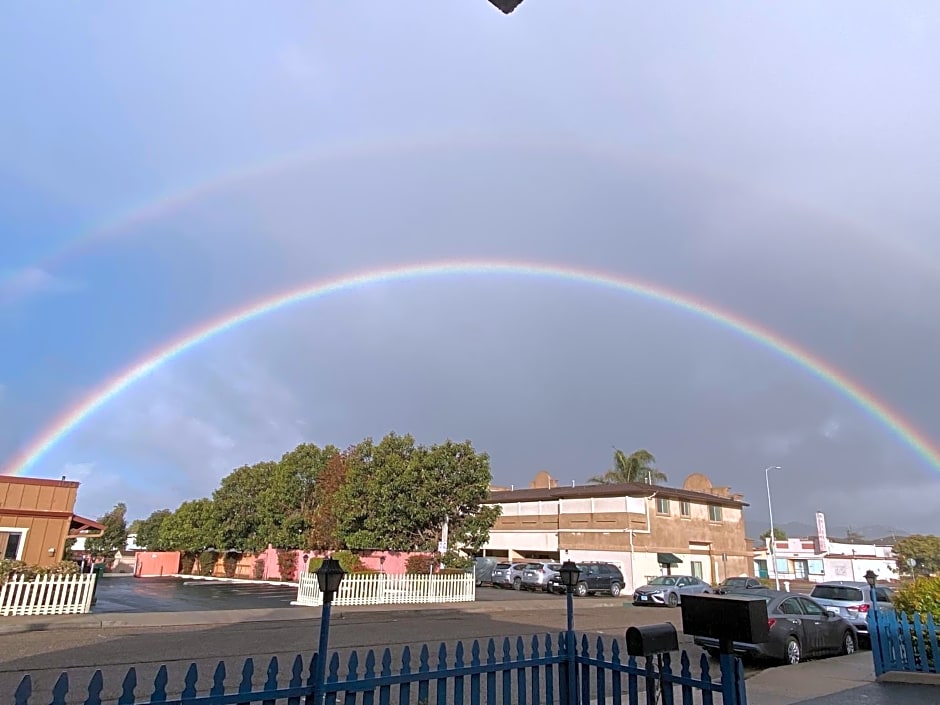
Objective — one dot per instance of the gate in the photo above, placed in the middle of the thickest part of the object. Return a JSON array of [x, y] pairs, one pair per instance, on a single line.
[[509, 672]]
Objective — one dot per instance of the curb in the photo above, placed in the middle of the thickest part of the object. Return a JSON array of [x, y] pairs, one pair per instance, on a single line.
[[909, 677], [241, 581]]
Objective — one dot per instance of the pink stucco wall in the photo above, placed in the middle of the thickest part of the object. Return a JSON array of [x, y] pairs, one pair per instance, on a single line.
[[394, 561]]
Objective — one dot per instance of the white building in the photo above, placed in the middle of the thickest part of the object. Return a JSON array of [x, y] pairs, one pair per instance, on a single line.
[[819, 559]]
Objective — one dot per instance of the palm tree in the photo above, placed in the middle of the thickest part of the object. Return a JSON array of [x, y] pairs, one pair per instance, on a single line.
[[636, 467]]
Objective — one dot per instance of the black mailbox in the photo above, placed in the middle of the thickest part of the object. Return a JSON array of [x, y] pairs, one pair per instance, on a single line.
[[652, 639], [728, 618]]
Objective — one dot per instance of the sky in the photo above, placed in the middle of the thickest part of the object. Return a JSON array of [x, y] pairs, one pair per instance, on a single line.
[[163, 164]]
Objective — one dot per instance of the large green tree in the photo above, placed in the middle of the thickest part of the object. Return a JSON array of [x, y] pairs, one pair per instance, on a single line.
[[638, 466], [270, 502], [323, 517], [193, 527], [148, 530], [924, 549], [114, 536], [779, 534], [398, 495]]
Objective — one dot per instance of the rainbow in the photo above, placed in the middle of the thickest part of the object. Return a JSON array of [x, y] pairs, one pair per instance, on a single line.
[[166, 203], [68, 421]]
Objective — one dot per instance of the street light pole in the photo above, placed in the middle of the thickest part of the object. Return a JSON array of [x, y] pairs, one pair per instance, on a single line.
[[773, 538]]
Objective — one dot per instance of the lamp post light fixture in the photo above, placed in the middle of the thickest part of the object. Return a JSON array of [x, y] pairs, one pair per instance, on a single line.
[[773, 537], [329, 576], [570, 575]]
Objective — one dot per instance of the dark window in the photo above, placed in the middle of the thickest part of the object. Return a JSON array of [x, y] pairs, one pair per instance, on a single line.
[[811, 607], [790, 606], [685, 508], [840, 593], [883, 594], [662, 505], [714, 512], [12, 540]]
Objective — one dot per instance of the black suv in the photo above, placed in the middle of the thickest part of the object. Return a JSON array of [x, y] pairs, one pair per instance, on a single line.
[[595, 577]]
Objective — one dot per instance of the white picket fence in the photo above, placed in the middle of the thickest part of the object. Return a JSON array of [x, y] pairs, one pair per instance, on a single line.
[[388, 589], [47, 594]]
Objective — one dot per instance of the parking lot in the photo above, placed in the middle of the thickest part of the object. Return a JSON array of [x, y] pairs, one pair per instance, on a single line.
[[122, 594]]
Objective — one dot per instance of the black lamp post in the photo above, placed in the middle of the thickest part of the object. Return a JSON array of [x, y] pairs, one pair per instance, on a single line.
[[871, 578], [329, 576], [570, 575]]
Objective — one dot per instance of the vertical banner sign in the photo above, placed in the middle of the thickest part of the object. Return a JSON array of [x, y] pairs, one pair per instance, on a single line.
[[821, 532]]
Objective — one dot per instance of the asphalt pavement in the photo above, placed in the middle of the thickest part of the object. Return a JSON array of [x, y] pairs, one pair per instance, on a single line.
[[117, 595]]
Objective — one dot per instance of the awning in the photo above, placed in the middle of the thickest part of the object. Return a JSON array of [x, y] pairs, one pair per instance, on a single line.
[[88, 528], [668, 559]]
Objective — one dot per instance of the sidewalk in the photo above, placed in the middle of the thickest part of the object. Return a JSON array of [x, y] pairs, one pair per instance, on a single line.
[[849, 680]]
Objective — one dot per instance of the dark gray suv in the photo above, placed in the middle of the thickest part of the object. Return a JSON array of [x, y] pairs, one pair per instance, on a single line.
[[595, 578]]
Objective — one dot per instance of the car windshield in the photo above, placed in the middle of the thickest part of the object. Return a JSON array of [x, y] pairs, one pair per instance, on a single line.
[[736, 582], [841, 593], [664, 580]]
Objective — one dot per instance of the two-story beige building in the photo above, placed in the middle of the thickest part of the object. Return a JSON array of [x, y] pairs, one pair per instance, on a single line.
[[646, 530]]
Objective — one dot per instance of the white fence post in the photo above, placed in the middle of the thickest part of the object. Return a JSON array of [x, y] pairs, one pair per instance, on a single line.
[[47, 594], [390, 589]]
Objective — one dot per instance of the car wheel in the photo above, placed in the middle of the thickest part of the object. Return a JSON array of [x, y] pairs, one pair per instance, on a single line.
[[614, 589], [581, 590], [672, 600], [517, 584], [793, 651], [848, 644]]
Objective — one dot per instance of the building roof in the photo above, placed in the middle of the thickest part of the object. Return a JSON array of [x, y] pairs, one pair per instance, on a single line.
[[626, 489], [37, 481]]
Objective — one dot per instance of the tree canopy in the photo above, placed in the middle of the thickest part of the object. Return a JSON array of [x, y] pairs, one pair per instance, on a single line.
[[924, 549], [148, 530], [394, 494], [114, 536], [779, 534], [638, 466]]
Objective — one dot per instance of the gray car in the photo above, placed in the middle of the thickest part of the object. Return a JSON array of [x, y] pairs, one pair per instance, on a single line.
[[535, 577], [668, 590], [852, 600], [508, 575], [800, 629]]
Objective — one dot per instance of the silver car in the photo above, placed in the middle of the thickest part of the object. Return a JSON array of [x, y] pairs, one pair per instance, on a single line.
[[668, 590], [508, 575], [852, 601], [535, 577]]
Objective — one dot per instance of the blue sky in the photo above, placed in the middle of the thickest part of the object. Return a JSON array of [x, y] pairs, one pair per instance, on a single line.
[[777, 160]]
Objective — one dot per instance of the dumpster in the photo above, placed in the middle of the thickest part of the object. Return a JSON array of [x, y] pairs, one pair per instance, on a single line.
[[98, 570]]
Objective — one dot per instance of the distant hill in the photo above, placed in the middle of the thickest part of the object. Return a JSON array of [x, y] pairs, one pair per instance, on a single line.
[[798, 529]]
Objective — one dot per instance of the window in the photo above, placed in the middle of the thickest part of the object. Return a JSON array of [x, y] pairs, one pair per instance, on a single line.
[[685, 509], [11, 544], [714, 512], [837, 593], [697, 569], [662, 505], [811, 608], [790, 606]]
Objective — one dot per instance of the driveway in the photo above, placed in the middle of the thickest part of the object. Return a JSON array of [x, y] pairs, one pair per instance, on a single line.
[[127, 594]]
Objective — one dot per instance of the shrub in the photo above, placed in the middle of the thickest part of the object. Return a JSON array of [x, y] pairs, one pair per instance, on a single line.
[[350, 562], [458, 561], [9, 569], [207, 561], [187, 562], [419, 564], [314, 564], [286, 563], [451, 571], [922, 596], [258, 569], [229, 564]]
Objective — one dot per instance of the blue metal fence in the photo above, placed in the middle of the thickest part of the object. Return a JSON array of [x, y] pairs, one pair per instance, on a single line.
[[506, 673], [903, 643]]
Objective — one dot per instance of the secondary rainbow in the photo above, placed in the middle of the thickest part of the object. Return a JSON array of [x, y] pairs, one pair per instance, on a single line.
[[64, 424], [166, 203]]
